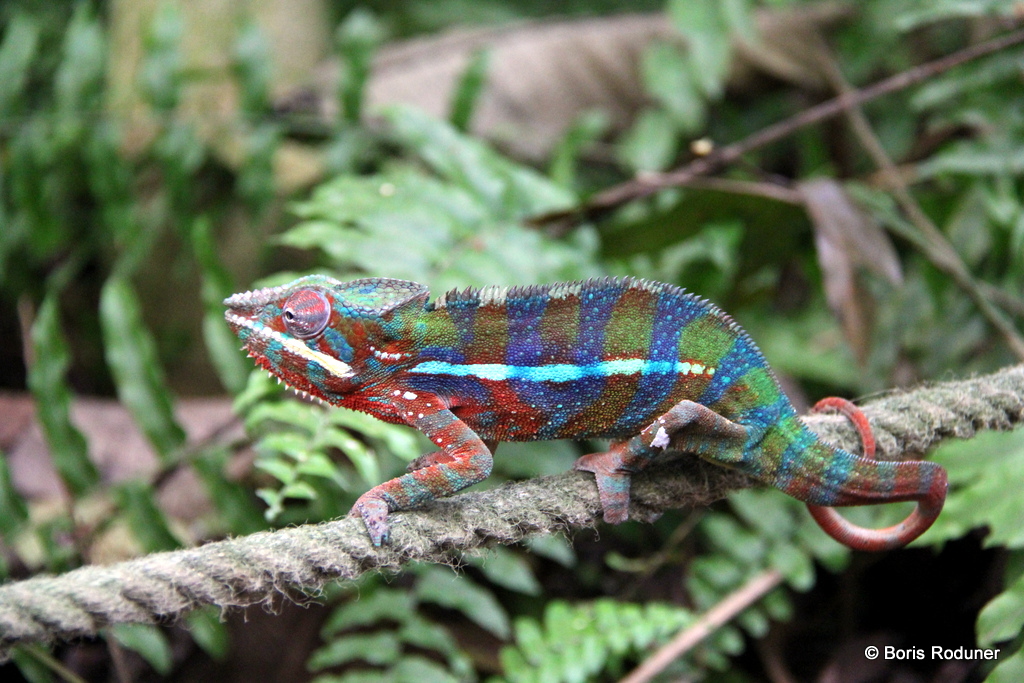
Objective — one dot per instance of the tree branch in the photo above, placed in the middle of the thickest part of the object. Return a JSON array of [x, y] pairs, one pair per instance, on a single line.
[[649, 183]]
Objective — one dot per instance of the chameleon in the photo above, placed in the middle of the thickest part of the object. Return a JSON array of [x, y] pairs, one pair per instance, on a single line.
[[644, 364]]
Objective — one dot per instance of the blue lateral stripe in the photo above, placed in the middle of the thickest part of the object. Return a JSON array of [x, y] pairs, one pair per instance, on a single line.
[[559, 372]]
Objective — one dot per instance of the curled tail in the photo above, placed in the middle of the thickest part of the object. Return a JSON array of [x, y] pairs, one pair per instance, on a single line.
[[824, 476]]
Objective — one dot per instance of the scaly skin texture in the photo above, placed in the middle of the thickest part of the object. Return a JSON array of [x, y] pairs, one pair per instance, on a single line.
[[642, 363]]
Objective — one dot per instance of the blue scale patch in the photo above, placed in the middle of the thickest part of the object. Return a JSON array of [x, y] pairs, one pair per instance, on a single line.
[[595, 309], [672, 314], [737, 361], [524, 320], [444, 354], [560, 402], [760, 418], [790, 470], [463, 316], [338, 346]]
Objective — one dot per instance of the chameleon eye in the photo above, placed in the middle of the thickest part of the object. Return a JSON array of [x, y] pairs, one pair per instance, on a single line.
[[306, 313]]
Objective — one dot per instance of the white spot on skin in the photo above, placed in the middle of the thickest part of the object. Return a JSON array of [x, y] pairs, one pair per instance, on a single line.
[[660, 439], [409, 396]]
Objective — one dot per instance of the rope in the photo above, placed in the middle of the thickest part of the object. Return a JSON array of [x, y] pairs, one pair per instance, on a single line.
[[298, 562]]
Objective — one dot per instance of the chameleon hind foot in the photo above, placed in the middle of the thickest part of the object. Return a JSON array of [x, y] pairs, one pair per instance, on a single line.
[[691, 423], [612, 480], [929, 502]]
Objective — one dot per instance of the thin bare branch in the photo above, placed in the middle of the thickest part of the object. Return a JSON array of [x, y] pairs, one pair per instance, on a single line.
[[734, 603], [649, 183], [931, 241]]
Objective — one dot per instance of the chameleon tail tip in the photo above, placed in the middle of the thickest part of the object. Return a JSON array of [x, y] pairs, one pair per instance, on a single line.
[[929, 500]]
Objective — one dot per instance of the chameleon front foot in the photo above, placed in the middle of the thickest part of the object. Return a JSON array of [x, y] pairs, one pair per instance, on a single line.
[[374, 511], [929, 501]]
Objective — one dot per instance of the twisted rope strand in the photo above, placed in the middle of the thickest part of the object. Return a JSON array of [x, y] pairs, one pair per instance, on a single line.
[[297, 562]]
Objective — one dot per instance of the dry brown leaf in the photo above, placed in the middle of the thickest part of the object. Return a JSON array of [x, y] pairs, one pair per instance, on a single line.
[[847, 239], [543, 75], [117, 447]]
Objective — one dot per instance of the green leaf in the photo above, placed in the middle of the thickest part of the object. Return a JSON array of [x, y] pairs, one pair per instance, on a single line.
[[161, 76], [376, 648], [33, 662], [290, 444], [318, 465], [754, 622], [467, 91], [357, 38], [974, 160], [383, 604], [46, 381], [366, 216], [221, 343], [916, 14], [237, 510], [19, 47], [1009, 670], [765, 510], [259, 387], [554, 547], [1003, 617], [458, 592], [733, 539], [414, 668], [427, 635], [983, 473], [586, 130], [78, 83], [362, 458], [703, 24], [650, 145], [299, 489], [274, 501], [253, 68], [132, 359], [507, 569], [209, 632], [13, 510], [295, 414], [147, 521], [256, 182], [148, 641], [508, 190], [669, 77], [796, 566]]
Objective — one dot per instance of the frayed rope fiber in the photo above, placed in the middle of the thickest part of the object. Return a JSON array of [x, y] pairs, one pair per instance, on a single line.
[[298, 562]]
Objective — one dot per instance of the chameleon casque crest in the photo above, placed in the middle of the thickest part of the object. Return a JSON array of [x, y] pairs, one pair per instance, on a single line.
[[642, 363]]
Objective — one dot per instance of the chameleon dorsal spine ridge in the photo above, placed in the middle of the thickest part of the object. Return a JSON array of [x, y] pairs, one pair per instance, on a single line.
[[643, 363]]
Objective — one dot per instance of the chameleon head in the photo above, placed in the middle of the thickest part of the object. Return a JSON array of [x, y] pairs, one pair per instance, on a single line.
[[320, 335]]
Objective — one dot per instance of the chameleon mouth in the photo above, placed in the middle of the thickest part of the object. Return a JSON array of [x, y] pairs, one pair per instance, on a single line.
[[331, 365]]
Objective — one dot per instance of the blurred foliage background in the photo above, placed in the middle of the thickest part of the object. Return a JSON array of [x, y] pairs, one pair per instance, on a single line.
[[156, 156]]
